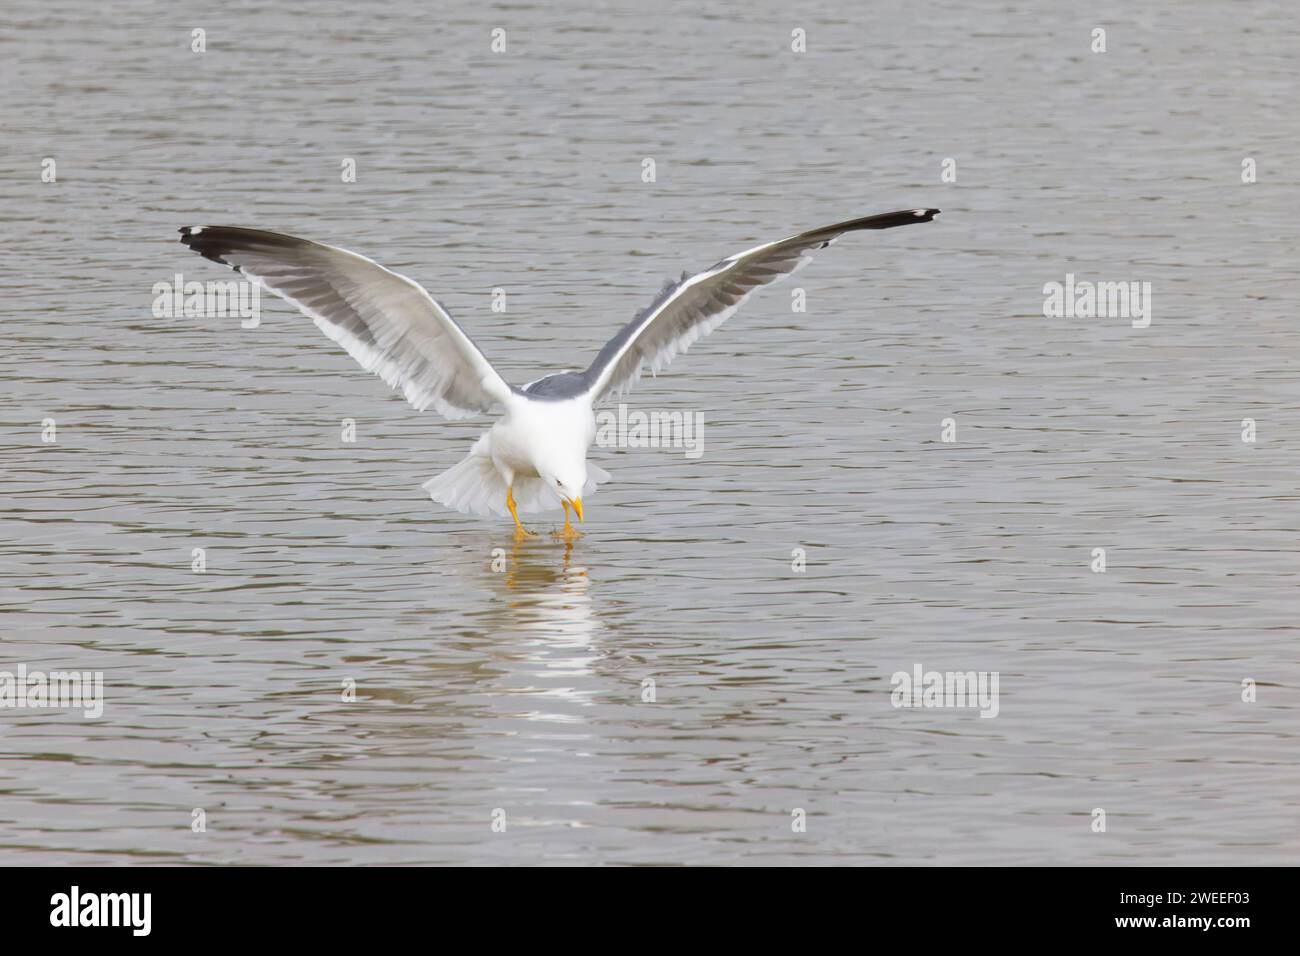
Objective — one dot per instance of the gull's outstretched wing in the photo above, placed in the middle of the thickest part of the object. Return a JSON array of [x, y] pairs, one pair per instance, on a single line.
[[698, 304], [386, 322]]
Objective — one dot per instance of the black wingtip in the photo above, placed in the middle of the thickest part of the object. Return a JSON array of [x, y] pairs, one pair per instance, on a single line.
[[190, 238], [888, 220], [206, 241], [904, 217]]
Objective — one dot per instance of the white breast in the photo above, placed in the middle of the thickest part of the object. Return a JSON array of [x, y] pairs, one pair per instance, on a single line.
[[536, 436]]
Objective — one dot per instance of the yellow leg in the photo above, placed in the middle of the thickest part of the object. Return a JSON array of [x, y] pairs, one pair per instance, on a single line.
[[569, 533], [520, 531]]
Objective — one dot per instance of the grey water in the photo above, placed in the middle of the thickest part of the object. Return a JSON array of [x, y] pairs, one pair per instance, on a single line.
[[358, 676]]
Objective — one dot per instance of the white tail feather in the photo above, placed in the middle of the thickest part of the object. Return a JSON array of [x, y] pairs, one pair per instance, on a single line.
[[474, 486]]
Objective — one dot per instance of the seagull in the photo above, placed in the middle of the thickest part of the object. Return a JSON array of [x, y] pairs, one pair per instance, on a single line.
[[535, 455]]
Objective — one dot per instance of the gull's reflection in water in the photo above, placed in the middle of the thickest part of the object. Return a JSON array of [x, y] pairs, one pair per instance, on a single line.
[[544, 611]]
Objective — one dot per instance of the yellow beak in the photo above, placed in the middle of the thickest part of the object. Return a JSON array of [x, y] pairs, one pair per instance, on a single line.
[[577, 506]]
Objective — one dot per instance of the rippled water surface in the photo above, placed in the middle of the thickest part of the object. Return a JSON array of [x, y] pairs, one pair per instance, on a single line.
[[524, 690]]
